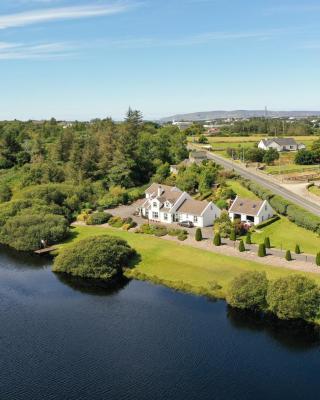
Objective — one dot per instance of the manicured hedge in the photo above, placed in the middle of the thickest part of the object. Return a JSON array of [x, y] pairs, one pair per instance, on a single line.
[[268, 222], [280, 204], [303, 218]]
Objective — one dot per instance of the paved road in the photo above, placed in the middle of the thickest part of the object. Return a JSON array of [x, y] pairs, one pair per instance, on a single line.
[[268, 184]]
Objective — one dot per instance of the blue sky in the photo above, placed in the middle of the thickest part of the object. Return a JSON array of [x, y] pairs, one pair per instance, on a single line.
[[82, 59]]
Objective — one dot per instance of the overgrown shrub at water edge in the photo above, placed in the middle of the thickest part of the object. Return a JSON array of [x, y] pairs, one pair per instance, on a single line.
[[249, 291], [25, 231], [294, 297], [97, 257]]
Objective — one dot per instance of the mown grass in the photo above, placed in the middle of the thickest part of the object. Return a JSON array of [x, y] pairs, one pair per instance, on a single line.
[[315, 190], [285, 234], [181, 266], [241, 190]]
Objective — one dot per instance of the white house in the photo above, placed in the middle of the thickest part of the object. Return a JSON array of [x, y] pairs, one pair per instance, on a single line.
[[169, 204], [253, 211], [281, 144]]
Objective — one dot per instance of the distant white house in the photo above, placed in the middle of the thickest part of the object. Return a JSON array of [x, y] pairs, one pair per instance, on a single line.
[[169, 204], [182, 125], [281, 144], [253, 211]]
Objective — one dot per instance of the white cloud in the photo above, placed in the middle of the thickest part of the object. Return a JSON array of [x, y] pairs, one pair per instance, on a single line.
[[56, 14], [22, 51]]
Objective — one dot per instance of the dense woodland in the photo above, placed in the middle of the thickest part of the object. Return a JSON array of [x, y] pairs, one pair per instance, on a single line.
[[50, 172]]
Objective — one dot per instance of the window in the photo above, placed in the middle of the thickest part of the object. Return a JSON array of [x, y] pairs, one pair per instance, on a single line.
[[155, 215], [165, 216], [195, 219], [266, 207], [155, 204]]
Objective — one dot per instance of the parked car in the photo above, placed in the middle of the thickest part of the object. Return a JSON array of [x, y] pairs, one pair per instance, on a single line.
[[186, 224]]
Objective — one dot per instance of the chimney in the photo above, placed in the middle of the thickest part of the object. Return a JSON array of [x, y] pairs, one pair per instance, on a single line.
[[159, 190]]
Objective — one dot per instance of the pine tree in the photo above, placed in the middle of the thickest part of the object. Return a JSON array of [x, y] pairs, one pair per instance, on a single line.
[[288, 255], [217, 239], [248, 238], [267, 242], [241, 246], [297, 250], [262, 250], [233, 235], [198, 235], [318, 259]]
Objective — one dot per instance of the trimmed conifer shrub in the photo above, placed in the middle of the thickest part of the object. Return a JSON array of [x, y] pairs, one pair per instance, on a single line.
[[217, 239], [288, 255], [267, 242], [262, 250], [241, 246], [248, 238], [198, 235], [297, 249], [318, 259], [233, 235]]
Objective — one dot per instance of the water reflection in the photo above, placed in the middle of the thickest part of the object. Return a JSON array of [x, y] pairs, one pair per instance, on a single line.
[[13, 259], [294, 335], [93, 286]]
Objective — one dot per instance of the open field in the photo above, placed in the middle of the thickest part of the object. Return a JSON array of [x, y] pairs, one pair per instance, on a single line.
[[285, 234], [174, 262]]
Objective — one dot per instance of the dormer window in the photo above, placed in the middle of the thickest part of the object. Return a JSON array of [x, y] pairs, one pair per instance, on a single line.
[[155, 204]]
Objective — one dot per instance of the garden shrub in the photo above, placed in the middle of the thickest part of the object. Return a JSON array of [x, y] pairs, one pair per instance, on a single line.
[[262, 250], [241, 246], [267, 243], [268, 222], [233, 235], [5, 193], [198, 235], [217, 239], [98, 218], [248, 238], [116, 222], [318, 259], [297, 249], [288, 256]]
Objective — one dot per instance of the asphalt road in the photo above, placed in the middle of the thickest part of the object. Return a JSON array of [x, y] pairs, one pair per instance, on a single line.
[[274, 187]]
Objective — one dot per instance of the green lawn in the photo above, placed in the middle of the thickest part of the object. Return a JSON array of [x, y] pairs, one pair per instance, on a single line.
[[286, 234], [175, 262], [241, 190]]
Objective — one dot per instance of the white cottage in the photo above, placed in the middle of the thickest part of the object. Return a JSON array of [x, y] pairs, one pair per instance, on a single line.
[[281, 144], [252, 211], [169, 204]]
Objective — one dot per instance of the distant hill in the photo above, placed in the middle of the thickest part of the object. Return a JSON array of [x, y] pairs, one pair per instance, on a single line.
[[208, 115]]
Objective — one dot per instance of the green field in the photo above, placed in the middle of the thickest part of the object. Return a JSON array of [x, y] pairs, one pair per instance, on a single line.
[[285, 234], [175, 263]]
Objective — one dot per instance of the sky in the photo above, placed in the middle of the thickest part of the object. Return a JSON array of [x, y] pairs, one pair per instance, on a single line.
[[84, 59]]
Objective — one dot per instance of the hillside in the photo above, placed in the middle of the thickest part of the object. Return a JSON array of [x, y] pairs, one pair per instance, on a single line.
[[208, 115]]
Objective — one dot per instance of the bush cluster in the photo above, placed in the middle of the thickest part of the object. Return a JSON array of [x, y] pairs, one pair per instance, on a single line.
[[98, 218], [290, 298]]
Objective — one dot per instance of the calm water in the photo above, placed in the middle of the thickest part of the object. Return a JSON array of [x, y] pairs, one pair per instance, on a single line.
[[59, 340]]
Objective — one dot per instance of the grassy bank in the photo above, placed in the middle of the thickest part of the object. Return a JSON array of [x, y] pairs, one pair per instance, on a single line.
[[179, 266]]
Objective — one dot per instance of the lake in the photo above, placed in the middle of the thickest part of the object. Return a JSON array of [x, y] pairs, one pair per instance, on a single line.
[[61, 339]]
